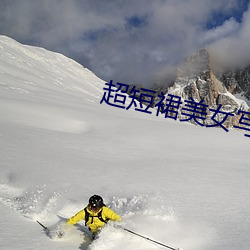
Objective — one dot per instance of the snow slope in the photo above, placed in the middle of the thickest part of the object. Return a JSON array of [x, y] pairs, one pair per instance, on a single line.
[[176, 183]]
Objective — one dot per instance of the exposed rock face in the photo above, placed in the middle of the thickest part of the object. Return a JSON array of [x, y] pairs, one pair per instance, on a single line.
[[237, 81], [196, 80]]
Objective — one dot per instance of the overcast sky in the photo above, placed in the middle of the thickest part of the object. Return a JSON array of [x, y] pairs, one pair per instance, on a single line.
[[131, 41]]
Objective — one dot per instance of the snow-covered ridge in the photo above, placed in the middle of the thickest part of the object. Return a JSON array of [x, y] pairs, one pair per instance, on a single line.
[[33, 74], [22, 67]]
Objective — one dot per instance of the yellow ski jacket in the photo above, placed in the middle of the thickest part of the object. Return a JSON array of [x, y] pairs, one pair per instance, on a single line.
[[94, 223]]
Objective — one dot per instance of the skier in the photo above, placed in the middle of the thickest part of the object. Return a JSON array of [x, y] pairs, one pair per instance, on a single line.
[[95, 214]]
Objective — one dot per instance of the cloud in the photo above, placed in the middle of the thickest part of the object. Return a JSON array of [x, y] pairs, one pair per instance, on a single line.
[[233, 49], [128, 41], [228, 28]]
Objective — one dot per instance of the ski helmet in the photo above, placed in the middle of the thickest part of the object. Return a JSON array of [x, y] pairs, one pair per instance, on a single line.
[[95, 202]]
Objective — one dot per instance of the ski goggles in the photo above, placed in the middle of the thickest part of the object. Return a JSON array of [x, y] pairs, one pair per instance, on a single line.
[[94, 208]]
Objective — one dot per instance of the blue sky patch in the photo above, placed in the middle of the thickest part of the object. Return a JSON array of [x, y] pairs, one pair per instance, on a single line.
[[219, 17], [136, 21]]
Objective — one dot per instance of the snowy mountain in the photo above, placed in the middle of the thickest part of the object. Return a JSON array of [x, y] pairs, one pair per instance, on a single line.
[[179, 184]]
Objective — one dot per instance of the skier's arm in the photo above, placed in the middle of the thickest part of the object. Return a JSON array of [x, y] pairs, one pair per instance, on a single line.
[[110, 214], [77, 217]]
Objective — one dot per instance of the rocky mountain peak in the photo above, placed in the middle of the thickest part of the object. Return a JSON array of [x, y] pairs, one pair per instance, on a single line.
[[197, 81], [197, 64]]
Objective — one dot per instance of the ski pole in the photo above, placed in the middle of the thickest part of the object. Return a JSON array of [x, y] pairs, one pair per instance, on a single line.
[[146, 238], [45, 228]]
